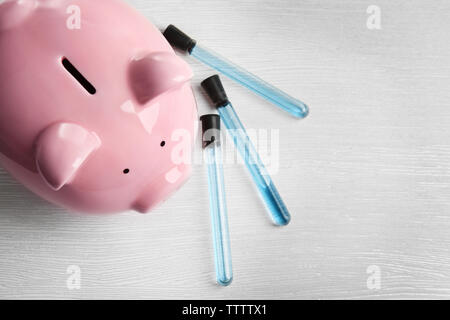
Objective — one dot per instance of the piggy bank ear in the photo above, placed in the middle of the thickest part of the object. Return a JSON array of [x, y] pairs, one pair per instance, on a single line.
[[61, 149], [157, 73], [13, 12]]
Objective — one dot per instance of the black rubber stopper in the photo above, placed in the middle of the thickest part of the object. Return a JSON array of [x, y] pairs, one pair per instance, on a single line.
[[210, 129], [178, 39], [214, 88]]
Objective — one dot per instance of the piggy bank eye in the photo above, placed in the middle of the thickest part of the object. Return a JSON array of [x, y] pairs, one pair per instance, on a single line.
[[126, 171], [163, 143]]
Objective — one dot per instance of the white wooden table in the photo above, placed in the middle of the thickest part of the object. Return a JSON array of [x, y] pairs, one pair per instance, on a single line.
[[366, 176]]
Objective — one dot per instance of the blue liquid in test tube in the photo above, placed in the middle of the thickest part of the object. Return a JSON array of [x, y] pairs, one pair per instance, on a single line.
[[279, 98], [275, 205], [218, 208]]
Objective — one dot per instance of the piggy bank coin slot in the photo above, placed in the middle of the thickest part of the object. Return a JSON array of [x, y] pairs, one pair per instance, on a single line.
[[78, 76]]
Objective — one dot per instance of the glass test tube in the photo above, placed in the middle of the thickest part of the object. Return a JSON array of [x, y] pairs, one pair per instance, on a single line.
[[181, 41], [274, 203], [217, 202]]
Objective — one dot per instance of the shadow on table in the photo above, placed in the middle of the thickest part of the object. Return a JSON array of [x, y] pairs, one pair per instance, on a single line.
[[18, 203]]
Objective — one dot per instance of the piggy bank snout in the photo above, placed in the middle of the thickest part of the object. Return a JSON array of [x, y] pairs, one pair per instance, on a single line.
[[157, 73], [157, 191]]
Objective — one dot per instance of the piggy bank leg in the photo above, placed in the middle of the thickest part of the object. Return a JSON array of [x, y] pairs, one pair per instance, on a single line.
[[61, 149]]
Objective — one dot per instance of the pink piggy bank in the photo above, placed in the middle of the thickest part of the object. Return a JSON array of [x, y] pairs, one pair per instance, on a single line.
[[96, 111]]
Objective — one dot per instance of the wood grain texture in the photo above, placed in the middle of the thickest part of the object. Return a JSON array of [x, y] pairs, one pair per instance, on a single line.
[[366, 175]]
